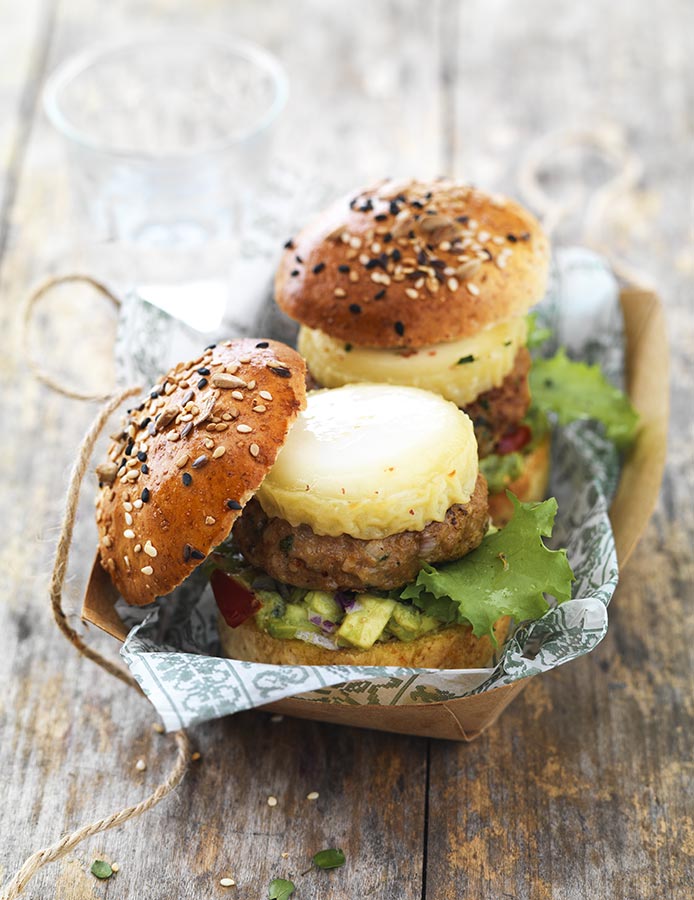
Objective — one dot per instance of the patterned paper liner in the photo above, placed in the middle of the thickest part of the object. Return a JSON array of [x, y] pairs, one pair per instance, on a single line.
[[174, 653]]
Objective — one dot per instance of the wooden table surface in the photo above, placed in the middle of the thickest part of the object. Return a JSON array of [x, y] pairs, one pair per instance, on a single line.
[[585, 787]]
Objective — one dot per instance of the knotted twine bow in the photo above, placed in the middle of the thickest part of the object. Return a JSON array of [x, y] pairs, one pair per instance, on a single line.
[[540, 155]]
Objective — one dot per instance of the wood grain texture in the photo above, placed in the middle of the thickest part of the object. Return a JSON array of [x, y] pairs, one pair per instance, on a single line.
[[585, 785]]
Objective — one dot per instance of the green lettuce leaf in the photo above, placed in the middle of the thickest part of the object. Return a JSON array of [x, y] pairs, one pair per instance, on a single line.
[[537, 334], [508, 574], [500, 470], [575, 390]]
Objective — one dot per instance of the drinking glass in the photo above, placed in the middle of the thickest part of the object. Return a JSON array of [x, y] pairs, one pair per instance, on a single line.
[[167, 137]]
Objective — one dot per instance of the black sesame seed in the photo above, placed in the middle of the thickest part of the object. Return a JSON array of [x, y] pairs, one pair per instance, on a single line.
[[438, 263], [394, 208], [187, 479], [399, 328], [262, 345], [294, 273], [232, 504], [282, 371], [354, 308], [196, 554], [512, 238], [299, 259], [387, 238], [145, 422], [380, 295], [462, 219], [417, 204], [145, 495], [122, 463], [202, 383], [317, 269], [154, 395], [381, 217], [396, 255], [145, 469], [372, 264], [203, 371], [141, 407], [348, 347], [344, 269], [142, 456], [210, 347], [367, 206], [428, 195], [353, 202], [289, 245], [186, 552], [129, 448], [422, 258]]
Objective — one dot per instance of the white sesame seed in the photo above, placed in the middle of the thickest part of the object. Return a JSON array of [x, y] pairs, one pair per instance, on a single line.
[[209, 443], [220, 451], [272, 801], [277, 718], [147, 570], [128, 519], [251, 385], [259, 408], [355, 243], [129, 533], [181, 460], [411, 293], [140, 765], [375, 247], [137, 548], [138, 503], [210, 520], [254, 449], [445, 246], [266, 395], [237, 395], [126, 561], [452, 284], [473, 289], [244, 359], [501, 261], [225, 882], [483, 236], [107, 541], [497, 239], [353, 277], [340, 292], [149, 549], [314, 795], [244, 429], [128, 507]]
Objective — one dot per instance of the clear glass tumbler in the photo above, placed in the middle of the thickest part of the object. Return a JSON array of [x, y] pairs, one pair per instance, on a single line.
[[167, 137]]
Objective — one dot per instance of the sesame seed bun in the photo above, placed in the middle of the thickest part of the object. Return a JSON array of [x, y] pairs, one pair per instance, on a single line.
[[531, 484], [453, 647], [188, 459], [413, 263]]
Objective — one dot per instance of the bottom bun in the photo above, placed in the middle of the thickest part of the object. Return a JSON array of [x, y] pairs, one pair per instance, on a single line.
[[530, 485], [454, 647]]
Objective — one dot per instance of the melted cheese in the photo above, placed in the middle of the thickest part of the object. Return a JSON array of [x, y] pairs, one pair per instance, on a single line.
[[460, 370], [372, 460]]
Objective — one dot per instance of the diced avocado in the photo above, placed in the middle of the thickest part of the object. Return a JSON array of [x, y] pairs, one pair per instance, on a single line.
[[407, 623], [294, 618], [363, 626], [324, 604]]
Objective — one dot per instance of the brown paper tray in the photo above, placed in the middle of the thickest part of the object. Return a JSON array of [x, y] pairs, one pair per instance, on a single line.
[[647, 373]]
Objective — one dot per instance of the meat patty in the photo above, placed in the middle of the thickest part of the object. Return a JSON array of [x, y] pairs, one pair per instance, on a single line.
[[299, 556], [499, 411]]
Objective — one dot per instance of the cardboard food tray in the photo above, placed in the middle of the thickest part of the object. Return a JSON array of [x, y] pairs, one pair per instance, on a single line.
[[647, 381]]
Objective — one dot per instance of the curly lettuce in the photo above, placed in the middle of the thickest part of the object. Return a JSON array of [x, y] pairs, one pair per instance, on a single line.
[[575, 390], [508, 574]]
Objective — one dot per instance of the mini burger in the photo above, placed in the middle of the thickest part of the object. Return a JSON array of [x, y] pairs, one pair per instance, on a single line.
[[428, 284], [314, 516]]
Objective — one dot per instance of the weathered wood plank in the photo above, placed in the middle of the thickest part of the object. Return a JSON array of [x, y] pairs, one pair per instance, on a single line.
[[71, 735], [584, 787]]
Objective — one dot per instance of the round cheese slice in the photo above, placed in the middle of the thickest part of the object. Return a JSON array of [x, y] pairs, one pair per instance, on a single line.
[[460, 370], [370, 460]]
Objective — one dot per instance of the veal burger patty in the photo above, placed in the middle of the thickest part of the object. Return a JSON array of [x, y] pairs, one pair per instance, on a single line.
[[299, 556], [498, 411]]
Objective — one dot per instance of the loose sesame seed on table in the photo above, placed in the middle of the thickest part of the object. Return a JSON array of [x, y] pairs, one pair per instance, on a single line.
[[584, 786]]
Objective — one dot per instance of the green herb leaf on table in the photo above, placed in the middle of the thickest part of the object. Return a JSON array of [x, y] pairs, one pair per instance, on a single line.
[[101, 869], [280, 889], [329, 859], [575, 390], [508, 574]]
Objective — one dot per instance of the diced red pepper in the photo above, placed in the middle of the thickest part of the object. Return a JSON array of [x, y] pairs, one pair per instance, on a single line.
[[514, 440], [236, 603]]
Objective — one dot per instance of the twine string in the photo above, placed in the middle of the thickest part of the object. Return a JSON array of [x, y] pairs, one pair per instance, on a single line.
[[32, 302], [46, 855]]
